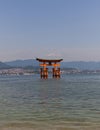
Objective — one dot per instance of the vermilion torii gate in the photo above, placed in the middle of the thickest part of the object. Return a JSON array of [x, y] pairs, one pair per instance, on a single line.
[[47, 62]]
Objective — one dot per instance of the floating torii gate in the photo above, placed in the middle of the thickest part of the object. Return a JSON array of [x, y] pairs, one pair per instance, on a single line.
[[47, 62]]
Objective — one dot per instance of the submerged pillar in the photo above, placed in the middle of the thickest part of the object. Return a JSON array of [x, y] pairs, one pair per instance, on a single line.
[[44, 72], [56, 72]]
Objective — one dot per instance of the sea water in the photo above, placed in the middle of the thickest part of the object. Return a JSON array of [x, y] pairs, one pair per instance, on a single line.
[[31, 103]]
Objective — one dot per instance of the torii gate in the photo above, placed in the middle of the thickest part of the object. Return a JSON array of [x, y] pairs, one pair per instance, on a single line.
[[47, 62]]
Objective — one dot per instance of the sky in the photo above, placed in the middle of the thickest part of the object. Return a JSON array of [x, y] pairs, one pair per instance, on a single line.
[[68, 29]]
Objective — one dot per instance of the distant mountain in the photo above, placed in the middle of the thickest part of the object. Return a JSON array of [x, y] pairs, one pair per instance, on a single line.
[[23, 63], [82, 65], [4, 66]]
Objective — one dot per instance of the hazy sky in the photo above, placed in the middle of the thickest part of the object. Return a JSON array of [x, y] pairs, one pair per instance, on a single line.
[[68, 29]]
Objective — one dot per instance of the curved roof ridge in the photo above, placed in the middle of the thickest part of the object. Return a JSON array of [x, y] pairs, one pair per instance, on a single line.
[[49, 60]]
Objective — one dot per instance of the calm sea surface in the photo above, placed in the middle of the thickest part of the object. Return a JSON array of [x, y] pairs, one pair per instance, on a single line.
[[31, 103]]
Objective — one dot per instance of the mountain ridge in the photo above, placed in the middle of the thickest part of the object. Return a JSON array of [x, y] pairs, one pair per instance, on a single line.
[[82, 65], [4, 66]]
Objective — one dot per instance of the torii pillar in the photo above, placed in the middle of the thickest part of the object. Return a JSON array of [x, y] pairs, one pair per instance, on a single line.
[[47, 62]]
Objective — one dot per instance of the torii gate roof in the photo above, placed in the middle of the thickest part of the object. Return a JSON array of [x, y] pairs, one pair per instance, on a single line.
[[49, 60]]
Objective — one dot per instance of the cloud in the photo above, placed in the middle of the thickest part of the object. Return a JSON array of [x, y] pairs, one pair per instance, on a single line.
[[53, 55]]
